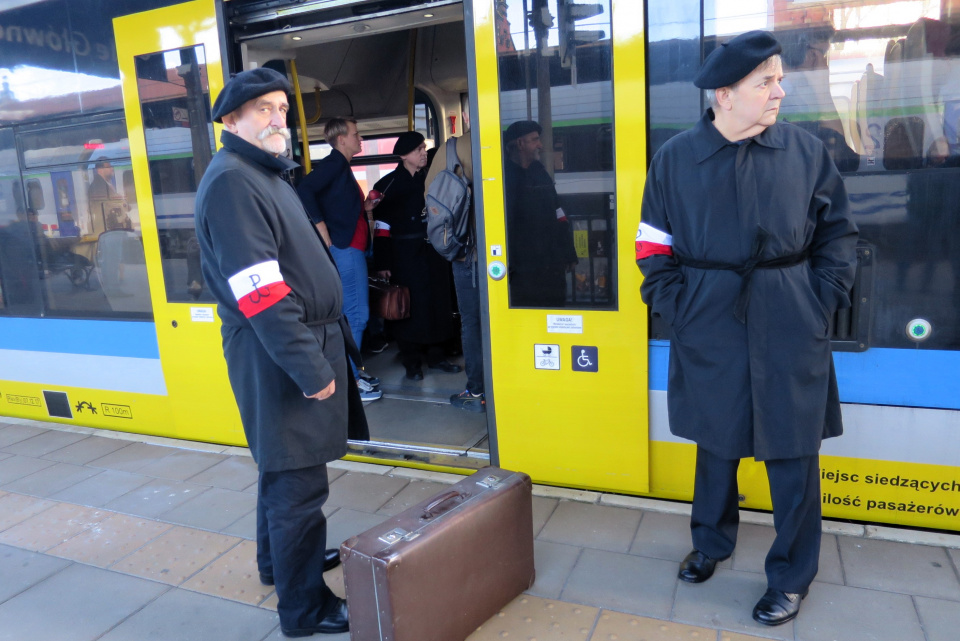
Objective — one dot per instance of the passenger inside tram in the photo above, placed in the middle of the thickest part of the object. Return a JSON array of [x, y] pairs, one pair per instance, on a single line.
[[808, 102]]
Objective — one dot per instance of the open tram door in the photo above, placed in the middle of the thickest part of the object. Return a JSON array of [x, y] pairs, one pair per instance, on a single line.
[[170, 66]]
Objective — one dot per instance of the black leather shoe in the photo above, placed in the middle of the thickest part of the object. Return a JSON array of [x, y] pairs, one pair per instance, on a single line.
[[447, 366], [415, 373], [331, 559], [336, 622], [697, 567], [776, 607]]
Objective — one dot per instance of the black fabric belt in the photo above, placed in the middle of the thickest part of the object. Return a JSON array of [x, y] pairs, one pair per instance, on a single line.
[[325, 321], [745, 271]]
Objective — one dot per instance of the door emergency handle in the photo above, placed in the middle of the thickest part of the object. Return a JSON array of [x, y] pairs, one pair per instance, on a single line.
[[443, 498]]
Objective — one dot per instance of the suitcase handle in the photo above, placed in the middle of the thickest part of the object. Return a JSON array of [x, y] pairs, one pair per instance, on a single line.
[[443, 498]]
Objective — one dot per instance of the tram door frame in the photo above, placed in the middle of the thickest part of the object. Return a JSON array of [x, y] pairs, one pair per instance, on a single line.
[[188, 334], [565, 427]]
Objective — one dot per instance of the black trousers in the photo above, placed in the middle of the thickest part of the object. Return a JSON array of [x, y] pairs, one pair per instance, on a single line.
[[411, 353], [291, 540], [793, 559]]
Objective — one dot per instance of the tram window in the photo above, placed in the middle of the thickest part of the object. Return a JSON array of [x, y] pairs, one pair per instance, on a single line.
[[878, 81], [555, 87], [175, 102], [84, 273], [61, 145]]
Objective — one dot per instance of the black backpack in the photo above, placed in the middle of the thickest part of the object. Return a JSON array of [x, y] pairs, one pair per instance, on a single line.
[[448, 208]]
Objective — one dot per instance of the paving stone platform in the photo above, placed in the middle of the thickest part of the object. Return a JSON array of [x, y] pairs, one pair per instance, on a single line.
[[109, 536]]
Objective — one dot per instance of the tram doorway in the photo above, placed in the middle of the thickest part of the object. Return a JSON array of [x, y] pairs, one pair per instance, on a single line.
[[392, 71]]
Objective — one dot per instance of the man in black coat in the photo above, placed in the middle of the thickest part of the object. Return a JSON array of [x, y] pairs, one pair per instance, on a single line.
[[285, 342], [748, 249], [540, 249]]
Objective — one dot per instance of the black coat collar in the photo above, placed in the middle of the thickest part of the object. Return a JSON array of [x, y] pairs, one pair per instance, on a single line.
[[238, 145], [707, 139]]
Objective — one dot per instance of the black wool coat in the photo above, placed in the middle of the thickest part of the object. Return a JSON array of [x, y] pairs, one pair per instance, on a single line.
[[279, 299], [400, 245], [764, 387]]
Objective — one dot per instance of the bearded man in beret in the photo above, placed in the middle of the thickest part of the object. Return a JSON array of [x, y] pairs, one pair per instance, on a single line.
[[540, 249], [748, 249], [285, 342]]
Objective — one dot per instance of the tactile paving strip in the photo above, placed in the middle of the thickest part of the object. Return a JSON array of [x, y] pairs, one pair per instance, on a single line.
[[530, 618], [616, 626]]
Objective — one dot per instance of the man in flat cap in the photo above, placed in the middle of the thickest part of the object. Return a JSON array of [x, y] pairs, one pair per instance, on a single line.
[[540, 249], [747, 249], [285, 342]]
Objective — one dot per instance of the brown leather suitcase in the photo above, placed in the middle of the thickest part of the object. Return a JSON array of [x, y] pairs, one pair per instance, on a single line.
[[441, 568]]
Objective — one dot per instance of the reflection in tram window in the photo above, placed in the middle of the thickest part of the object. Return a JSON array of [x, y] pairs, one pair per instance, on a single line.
[[878, 81], [19, 247], [52, 259], [556, 109], [175, 101], [63, 60]]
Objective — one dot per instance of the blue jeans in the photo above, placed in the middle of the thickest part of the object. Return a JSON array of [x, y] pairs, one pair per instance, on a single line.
[[468, 301], [352, 265]]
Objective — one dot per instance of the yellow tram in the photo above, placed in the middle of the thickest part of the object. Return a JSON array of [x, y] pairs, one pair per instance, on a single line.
[[136, 346]]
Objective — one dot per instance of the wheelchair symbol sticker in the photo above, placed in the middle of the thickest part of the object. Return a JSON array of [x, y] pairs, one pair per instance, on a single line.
[[584, 358]]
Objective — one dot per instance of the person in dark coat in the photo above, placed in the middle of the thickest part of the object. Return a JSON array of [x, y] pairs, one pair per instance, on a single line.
[[335, 203], [285, 342], [748, 248], [540, 249], [402, 254]]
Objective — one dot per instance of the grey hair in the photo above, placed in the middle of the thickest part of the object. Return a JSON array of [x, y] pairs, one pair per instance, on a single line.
[[336, 127]]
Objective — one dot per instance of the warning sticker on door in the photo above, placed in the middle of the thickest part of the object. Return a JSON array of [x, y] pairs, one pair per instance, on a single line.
[[201, 314], [557, 324]]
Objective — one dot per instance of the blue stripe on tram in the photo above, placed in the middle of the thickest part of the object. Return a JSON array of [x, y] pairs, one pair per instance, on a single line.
[[134, 339], [878, 376]]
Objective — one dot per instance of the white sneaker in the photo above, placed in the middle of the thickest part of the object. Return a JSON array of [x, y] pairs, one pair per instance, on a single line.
[[365, 386], [367, 392]]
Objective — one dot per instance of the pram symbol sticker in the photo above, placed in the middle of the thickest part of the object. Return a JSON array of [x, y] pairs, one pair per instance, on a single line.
[[546, 356]]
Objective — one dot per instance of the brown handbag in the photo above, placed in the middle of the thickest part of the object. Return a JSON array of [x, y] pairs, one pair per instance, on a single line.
[[388, 300]]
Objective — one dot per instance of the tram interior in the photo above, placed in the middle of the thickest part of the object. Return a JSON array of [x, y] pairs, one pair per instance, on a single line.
[[380, 72]]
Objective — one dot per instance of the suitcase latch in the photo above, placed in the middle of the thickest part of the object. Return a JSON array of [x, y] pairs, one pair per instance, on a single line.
[[393, 536], [490, 482]]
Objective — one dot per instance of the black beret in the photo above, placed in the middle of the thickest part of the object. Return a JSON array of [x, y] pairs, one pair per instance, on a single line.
[[407, 142], [733, 61], [519, 129], [248, 85]]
